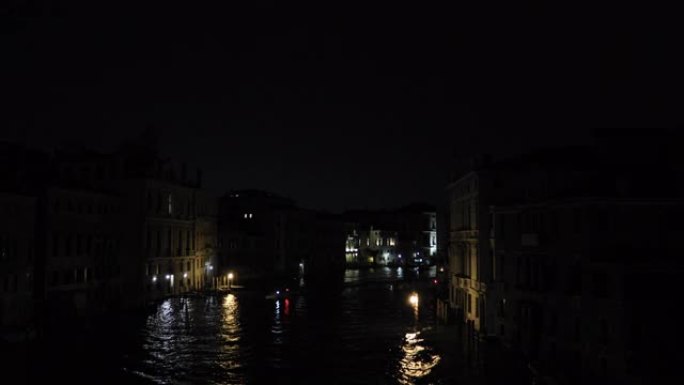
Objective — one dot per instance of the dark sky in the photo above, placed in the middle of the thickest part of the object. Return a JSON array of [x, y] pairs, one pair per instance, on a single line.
[[336, 104]]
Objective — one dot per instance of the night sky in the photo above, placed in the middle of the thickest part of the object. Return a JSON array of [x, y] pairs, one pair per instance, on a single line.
[[337, 105]]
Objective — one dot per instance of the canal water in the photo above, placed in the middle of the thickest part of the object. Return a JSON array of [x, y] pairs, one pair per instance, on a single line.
[[368, 331]]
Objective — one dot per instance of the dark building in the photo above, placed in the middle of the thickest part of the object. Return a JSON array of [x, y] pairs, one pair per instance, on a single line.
[[261, 233], [109, 229], [589, 286], [82, 261], [555, 252], [155, 216], [17, 260]]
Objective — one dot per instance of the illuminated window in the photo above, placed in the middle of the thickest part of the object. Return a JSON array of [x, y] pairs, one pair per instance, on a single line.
[[250, 215], [169, 199], [245, 215]]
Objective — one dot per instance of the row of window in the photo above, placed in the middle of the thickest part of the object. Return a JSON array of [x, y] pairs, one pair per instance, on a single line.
[[76, 245], [83, 275], [165, 202], [10, 283], [463, 188], [9, 247], [160, 241], [464, 214], [84, 207]]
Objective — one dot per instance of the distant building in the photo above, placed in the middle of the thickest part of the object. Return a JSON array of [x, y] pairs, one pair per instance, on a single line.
[[380, 246], [261, 234], [252, 233], [405, 236], [353, 244]]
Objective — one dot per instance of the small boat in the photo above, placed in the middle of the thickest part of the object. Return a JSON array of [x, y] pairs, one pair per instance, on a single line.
[[281, 294]]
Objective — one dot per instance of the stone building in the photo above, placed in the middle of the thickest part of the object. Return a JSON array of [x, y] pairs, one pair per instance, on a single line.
[[17, 259], [574, 274], [154, 218], [82, 260], [405, 236], [263, 234], [569, 256]]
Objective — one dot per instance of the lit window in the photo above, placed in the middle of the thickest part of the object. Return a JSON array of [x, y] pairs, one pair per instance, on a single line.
[[250, 215], [245, 216], [170, 201]]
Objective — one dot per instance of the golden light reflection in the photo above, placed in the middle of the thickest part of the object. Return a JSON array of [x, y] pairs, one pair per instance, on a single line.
[[418, 361], [231, 324]]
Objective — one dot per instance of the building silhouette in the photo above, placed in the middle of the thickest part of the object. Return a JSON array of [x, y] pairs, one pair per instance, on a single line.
[[565, 254]]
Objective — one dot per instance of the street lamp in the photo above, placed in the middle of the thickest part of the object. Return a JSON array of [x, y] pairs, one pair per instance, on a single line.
[[230, 280], [413, 300]]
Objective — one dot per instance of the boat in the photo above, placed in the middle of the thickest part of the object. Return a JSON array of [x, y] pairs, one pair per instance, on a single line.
[[281, 294]]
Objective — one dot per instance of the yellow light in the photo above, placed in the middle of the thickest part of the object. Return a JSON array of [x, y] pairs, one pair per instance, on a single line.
[[413, 299], [230, 275]]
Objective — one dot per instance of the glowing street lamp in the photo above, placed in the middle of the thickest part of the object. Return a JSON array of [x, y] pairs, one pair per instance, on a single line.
[[230, 280], [413, 299]]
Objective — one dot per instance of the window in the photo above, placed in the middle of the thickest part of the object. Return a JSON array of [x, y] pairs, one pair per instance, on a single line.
[[605, 332], [55, 245], [79, 244], [577, 220], [600, 284], [67, 246], [169, 199]]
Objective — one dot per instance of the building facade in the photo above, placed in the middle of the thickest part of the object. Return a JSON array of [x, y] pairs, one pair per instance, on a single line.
[[17, 259], [574, 273]]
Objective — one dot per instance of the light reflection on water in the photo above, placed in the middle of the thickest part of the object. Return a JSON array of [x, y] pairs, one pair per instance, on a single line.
[[358, 335], [417, 361]]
